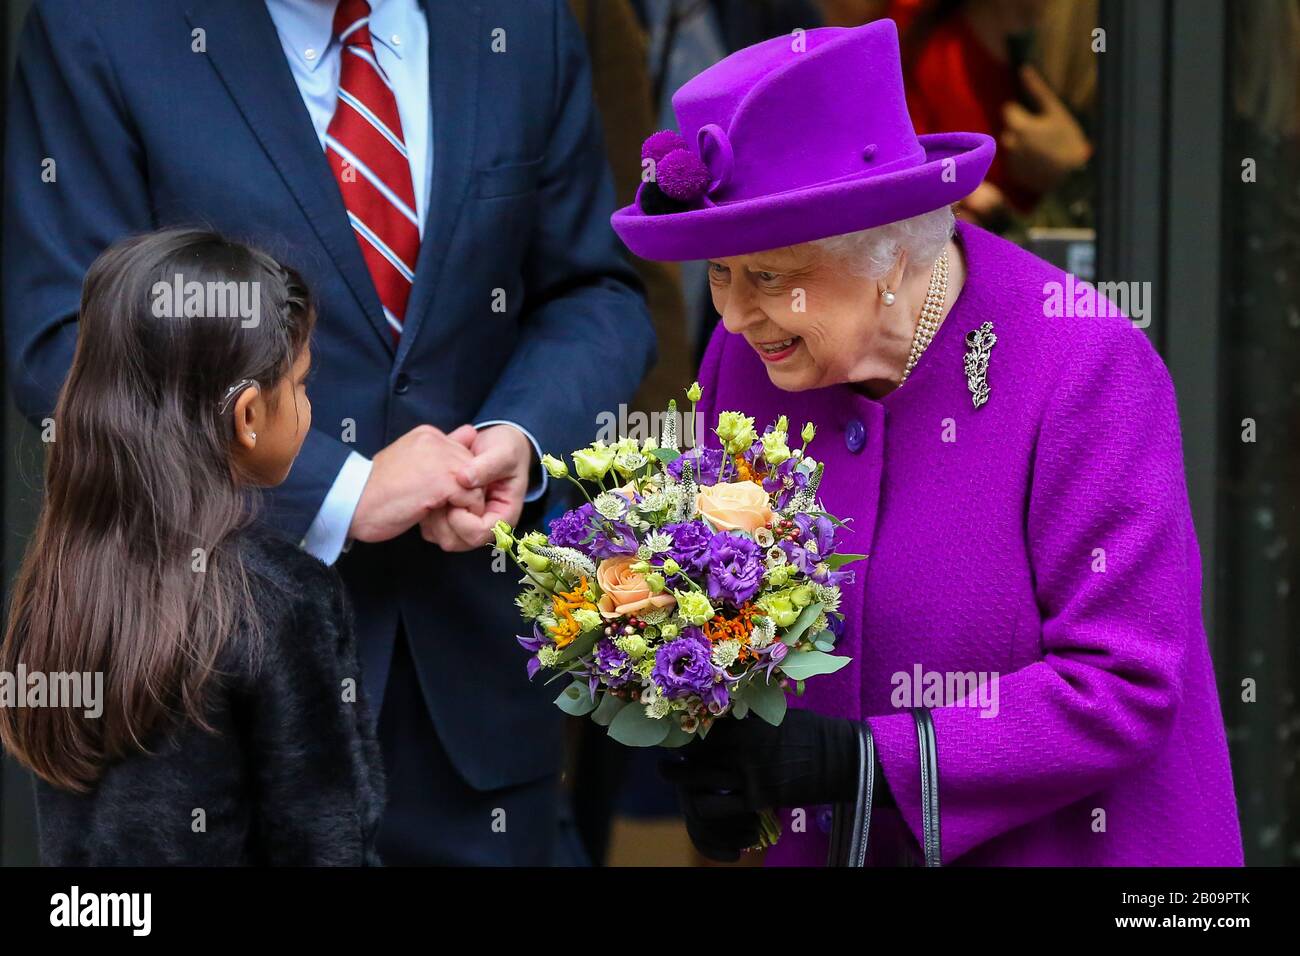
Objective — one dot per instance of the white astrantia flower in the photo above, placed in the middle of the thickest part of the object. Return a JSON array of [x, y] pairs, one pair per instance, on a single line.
[[629, 462], [652, 502], [820, 624], [655, 615], [532, 603], [609, 505], [657, 542], [658, 708], [725, 653], [643, 552], [763, 633], [828, 594]]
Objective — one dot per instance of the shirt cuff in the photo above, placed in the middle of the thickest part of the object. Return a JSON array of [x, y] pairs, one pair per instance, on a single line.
[[328, 535], [535, 491]]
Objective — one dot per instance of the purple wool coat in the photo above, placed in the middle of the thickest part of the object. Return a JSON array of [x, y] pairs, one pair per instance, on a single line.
[[1044, 537]]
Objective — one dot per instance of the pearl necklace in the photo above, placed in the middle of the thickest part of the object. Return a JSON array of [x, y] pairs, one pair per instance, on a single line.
[[927, 324]]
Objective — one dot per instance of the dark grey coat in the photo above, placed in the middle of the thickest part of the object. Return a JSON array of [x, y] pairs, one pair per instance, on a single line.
[[291, 777]]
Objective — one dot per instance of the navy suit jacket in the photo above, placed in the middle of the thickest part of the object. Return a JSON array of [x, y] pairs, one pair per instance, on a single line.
[[146, 132]]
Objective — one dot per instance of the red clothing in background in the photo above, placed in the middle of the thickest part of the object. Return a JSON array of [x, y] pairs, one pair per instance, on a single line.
[[956, 84]]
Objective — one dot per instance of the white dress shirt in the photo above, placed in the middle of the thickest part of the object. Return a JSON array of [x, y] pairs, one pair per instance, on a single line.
[[399, 30]]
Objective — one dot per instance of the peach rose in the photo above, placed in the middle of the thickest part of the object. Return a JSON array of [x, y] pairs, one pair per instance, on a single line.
[[625, 591], [735, 506]]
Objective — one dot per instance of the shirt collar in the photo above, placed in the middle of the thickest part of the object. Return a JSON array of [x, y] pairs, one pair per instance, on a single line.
[[310, 26]]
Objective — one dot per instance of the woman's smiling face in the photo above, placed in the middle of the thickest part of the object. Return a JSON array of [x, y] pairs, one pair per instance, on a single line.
[[812, 320]]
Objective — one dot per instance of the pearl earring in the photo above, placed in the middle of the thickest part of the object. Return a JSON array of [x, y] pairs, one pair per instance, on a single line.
[[888, 297], [252, 436]]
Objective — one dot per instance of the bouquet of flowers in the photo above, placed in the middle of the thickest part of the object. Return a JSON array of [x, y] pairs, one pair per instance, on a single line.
[[688, 586]]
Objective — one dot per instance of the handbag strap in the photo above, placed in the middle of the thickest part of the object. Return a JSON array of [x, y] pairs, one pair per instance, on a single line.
[[851, 823], [929, 784]]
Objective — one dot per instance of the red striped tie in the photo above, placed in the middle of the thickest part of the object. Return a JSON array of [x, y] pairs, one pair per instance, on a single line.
[[366, 150]]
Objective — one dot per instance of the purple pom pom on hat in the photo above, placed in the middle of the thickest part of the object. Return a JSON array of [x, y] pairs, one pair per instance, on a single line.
[[682, 176], [660, 144]]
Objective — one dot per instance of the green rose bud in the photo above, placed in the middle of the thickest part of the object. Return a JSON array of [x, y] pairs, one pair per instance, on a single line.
[[671, 566], [802, 596], [593, 463], [655, 582], [693, 607], [555, 467], [779, 576], [668, 631], [775, 449], [589, 619], [639, 567], [534, 561], [780, 610], [502, 537], [735, 431], [633, 645], [809, 432], [694, 392]]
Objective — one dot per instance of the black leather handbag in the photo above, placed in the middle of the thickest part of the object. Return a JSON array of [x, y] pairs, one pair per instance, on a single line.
[[851, 822]]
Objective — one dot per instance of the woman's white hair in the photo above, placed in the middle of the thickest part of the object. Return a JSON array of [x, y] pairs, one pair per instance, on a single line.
[[874, 252]]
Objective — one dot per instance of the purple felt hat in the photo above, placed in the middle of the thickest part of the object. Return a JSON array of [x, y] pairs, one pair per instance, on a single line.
[[796, 138]]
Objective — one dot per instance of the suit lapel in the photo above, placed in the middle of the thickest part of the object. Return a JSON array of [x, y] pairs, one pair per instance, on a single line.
[[245, 50], [455, 42]]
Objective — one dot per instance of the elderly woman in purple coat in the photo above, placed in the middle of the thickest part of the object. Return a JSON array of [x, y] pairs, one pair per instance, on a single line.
[[1016, 479]]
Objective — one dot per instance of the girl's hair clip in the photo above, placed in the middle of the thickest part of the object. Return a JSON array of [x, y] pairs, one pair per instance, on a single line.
[[234, 390]]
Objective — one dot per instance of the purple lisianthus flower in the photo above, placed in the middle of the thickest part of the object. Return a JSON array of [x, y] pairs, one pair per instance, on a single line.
[[612, 538], [735, 567], [706, 465], [612, 663], [785, 481], [573, 529], [684, 667], [690, 546]]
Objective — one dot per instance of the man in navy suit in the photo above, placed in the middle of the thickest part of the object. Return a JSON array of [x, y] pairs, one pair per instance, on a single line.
[[434, 168]]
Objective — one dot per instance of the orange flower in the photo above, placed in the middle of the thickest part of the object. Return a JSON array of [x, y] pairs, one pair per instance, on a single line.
[[566, 628], [738, 628]]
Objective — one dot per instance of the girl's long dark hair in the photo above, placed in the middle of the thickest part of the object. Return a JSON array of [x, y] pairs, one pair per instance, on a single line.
[[131, 571]]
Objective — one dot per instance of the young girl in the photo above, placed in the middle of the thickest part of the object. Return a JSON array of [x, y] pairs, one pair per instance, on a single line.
[[232, 728]]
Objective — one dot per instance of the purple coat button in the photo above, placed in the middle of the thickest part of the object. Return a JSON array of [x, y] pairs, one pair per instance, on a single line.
[[855, 436], [825, 819]]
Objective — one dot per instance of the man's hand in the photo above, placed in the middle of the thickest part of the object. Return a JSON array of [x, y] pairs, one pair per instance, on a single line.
[[1042, 148], [412, 477], [503, 458]]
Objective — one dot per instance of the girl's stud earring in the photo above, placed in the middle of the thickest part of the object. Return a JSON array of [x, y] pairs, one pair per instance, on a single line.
[[887, 297], [253, 435]]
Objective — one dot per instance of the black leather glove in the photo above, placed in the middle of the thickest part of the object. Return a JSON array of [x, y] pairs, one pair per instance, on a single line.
[[748, 765]]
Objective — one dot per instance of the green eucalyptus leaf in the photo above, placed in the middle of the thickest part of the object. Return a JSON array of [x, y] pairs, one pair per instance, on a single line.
[[839, 560], [666, 455], [575, 700], [804, 664], [676, 736], [632, 727], [767, 700], [609, 707]]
